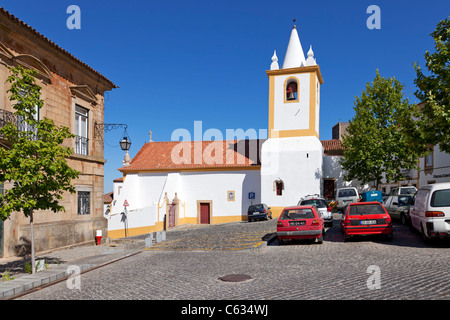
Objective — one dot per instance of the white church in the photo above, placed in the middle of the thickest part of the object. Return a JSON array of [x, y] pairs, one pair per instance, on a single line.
[[206, 182]]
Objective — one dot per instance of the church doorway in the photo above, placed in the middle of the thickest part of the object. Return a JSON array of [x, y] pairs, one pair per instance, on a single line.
[[204, 212], [329, 188], [172, 215]]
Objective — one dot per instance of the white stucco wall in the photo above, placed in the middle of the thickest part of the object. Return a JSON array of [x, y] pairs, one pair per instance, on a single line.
[[297, 162], [291, 115], [213, 186], [332, 169], [145, 193]]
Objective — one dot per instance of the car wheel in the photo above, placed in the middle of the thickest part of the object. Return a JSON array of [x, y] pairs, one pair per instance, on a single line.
[[320, 239], [425, 238], [403, 219], [346, 237]]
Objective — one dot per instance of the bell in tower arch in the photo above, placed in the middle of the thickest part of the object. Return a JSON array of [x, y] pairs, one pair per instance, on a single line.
[[291, 91]]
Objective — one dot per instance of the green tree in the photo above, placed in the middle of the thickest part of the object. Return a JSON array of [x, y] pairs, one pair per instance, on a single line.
[[374, 144], [433, 125], [34, 159]]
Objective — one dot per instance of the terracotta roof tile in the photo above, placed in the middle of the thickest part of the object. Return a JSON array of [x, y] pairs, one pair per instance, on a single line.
[[178, 155], [332, 147]]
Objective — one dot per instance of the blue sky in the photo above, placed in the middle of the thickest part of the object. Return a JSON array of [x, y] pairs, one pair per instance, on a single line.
[[177, 62]]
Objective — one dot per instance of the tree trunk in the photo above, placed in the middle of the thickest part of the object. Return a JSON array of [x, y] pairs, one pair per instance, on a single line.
[[33, 263]]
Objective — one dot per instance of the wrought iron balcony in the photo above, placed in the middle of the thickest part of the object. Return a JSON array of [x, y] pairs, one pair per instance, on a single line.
[[22, 126], [81, 145]]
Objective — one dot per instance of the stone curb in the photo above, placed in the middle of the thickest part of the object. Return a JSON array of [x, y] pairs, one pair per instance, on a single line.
[[25, 283]]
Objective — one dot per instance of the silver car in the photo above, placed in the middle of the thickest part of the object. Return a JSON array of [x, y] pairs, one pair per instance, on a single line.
[[345, 196], [321, 204]]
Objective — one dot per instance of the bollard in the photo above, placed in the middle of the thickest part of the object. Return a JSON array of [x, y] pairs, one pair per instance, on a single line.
[[158, 237], [149, 240]]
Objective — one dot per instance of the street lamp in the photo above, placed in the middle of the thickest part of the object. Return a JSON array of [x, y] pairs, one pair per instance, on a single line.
[[125, 144]]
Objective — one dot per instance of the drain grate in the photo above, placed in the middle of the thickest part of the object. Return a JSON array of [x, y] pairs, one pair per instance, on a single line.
[[235, 278]]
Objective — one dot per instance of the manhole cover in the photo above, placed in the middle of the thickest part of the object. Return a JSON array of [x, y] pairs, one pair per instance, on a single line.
[[235, 278]]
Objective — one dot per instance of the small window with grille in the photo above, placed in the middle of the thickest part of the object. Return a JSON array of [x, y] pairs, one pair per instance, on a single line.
[[84, 202]]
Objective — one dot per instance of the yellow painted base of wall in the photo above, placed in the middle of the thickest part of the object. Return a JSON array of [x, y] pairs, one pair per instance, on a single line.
[[117, 234], [276, 211], [159, 226]]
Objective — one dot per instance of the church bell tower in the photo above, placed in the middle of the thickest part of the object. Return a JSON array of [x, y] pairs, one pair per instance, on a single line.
[[292, 156]]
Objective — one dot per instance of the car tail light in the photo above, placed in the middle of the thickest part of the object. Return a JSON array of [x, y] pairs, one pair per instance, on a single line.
[[387, 219], [432, 214], [315, 222], [264, 211], [279, 224], [329, 209]]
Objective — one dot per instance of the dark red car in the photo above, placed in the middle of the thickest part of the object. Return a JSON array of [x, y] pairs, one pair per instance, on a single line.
[[301, 222], [366, 218]]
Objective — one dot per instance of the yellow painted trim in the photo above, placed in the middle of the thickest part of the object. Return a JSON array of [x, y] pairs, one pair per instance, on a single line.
[[314, 69], [201, 169], [314, 75], [276, 211], [293, 133], [298, 89], [226, 219], [312, 103], [120, 233], [271, 105]]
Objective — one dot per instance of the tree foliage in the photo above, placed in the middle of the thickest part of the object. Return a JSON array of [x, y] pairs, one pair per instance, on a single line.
[[374, 146], [433, 125], [34, 159]]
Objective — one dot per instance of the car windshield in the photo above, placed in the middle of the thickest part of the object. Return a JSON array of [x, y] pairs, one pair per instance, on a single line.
[[320, 203], [441, 198], [347, 193], [362, 209], [256, 207], [293, 214], [407, 190], [405, 200]]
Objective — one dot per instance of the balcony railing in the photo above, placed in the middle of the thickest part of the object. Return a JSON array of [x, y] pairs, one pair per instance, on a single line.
[[22, 126], [81, 145]]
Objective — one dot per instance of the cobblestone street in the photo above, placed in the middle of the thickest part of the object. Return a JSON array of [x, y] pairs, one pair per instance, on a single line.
[[188, 265]]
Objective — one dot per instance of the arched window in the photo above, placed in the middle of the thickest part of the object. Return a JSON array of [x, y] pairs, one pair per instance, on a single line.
[[291, 93], [278, 187]]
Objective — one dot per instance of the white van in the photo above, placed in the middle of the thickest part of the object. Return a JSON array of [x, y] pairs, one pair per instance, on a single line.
[[345, 196], [430, 213]]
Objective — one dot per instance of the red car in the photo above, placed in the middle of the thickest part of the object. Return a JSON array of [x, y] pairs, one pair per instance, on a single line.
[[301, 222], [366, 218]]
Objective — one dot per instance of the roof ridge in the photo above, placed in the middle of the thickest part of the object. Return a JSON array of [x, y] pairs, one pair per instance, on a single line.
[[40, 35]]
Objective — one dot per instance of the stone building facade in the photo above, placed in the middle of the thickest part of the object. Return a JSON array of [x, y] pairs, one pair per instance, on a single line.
[[73, 95]]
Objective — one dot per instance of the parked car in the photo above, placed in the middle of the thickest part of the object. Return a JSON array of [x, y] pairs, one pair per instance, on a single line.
[[301, 222], [430, 213], [345, 196], [258, 211], [366, 218], [398, 207], [402, 190], [372, 195], [321, 204]]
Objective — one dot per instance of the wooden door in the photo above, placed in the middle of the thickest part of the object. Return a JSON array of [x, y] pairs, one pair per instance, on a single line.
[[172, 208], [329, 188], [205, 213]]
